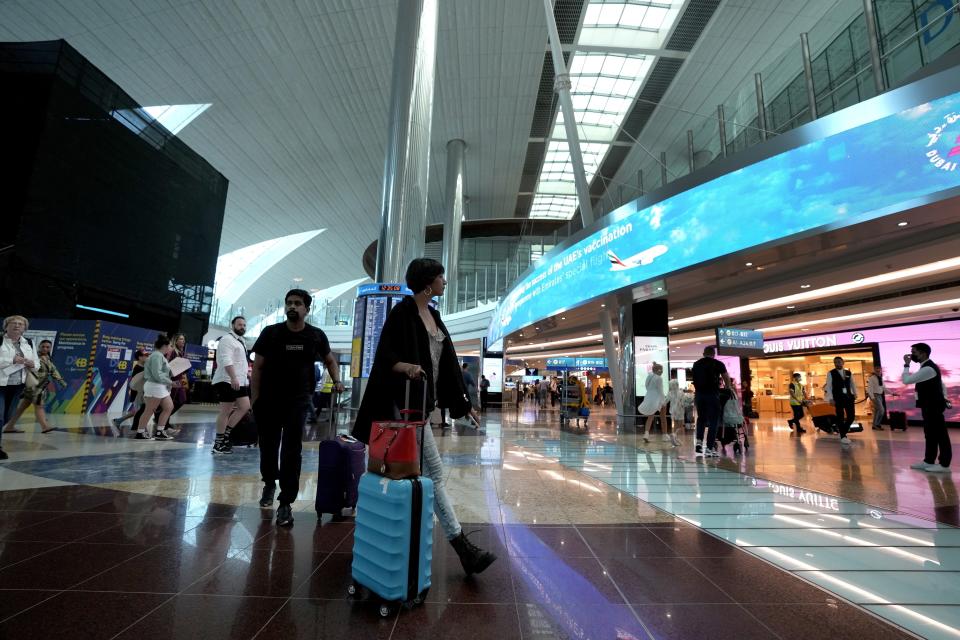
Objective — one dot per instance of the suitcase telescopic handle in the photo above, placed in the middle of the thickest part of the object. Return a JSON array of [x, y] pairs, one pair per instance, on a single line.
[[423, 413]]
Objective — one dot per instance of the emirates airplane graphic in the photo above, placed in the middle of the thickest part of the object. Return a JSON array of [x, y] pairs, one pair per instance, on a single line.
[[644, 257]]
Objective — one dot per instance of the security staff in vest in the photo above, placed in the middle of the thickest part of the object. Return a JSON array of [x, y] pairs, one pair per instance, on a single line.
[[841, 390], [932, 402]]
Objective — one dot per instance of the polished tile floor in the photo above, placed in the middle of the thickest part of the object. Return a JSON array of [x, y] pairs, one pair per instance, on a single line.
[[600, 535]]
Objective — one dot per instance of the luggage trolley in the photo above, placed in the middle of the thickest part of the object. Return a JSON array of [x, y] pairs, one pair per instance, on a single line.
[[570, 404]]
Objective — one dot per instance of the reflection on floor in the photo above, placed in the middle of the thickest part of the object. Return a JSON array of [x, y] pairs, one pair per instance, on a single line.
[[599, 536]]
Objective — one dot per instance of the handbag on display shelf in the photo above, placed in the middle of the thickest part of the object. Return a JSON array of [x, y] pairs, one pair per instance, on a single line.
[[394, 450]]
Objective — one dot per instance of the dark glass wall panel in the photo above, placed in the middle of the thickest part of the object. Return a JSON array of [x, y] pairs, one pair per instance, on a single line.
[[107, 205]]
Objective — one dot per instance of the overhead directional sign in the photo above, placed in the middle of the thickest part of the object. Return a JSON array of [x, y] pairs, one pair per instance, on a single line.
[[576, 363], [739, 342]]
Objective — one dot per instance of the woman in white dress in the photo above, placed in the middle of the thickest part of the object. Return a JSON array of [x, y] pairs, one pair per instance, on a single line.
[[654, 402]]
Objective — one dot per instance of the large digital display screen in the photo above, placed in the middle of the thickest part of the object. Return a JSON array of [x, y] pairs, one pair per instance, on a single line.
[[493, 369], [860, 174], [647, 351]]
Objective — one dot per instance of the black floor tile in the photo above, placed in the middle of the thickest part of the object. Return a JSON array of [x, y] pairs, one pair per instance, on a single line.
[[458, 622], [714, 621], [190, 617], [832, 621], [75, 614], [66, 566], [661, 580], [305, 619]]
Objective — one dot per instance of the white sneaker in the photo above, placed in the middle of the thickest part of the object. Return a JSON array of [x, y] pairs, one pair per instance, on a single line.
[[712, 453], [845, 441], [936, 468], [646, 438], [666, 437], [674, 440], [919, 466], [698, 449]]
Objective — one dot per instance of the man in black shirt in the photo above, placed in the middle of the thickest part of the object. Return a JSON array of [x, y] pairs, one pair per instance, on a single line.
[[281, 388], [708, 372]]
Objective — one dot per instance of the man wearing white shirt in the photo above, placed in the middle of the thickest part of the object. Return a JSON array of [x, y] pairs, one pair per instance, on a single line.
[[231, 384], [932, 402], [841, 390], [875, 392]]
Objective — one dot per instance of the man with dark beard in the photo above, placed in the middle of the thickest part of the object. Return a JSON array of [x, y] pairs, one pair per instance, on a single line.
[[230, 383], [281, 387]]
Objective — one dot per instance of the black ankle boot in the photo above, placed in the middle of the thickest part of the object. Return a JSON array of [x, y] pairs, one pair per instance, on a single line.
[[472, 557]]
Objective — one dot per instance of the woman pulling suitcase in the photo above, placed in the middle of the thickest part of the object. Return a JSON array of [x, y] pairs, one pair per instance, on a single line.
[[415, 343]]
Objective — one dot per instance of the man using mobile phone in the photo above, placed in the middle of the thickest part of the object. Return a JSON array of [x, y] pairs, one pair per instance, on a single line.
[[932, 402]]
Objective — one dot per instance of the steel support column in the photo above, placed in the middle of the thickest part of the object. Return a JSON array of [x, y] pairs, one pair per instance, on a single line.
[[722, 123], [663, 168], [453, 218], [808, 75], [690, 149], [873, 39], [627, 366], [610, 348], [562, 87], [403, 209], [761, 107]]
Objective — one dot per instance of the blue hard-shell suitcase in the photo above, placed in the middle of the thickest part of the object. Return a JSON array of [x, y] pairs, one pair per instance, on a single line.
[[393, 539]]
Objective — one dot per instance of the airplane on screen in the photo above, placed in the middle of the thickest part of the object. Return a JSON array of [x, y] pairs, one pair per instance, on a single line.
[[644, 257]]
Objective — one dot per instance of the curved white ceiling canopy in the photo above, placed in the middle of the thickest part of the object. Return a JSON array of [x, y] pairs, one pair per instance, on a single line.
[[330, 293], [239, 269]]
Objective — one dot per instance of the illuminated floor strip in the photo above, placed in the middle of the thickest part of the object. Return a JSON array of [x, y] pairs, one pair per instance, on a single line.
[[900, 567]]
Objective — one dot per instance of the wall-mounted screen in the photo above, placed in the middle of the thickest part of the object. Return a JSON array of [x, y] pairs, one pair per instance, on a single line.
[[865, 172], [647, 351], [493, 369]]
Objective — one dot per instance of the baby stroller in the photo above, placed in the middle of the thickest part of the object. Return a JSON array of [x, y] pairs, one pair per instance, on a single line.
[[732, 425]]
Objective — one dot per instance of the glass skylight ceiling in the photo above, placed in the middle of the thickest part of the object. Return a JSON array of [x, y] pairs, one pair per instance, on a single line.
[[603, 88]]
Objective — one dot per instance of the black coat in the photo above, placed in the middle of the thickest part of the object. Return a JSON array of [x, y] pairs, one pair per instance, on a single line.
[[404, 339]]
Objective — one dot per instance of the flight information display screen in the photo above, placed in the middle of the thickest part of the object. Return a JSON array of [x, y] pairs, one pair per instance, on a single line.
[[863, 173]]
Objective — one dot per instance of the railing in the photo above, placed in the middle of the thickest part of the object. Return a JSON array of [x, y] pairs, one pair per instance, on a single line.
[[911, 34]]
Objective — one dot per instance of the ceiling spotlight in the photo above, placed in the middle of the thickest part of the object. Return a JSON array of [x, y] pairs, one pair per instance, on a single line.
[[759, 268], [659, 288], [749, 264], [563, 317], [602, 305], [791, 306], [669, 317], [903, 223], [804, 329], [589, 334], [804, 286]]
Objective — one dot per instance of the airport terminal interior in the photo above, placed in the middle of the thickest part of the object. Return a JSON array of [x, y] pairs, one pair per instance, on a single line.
[[644, 314]]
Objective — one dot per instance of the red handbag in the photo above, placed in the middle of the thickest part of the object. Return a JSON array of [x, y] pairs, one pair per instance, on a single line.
[[395, 451]]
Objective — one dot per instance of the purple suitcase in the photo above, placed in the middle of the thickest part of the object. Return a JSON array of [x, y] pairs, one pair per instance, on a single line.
[[342, 462]]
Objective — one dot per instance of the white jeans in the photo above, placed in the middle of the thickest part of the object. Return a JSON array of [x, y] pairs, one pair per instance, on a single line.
[[433, 469]]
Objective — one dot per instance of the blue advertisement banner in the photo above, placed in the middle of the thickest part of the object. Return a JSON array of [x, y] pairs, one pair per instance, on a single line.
[[113, 362], [72, 343], [854, 176]]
